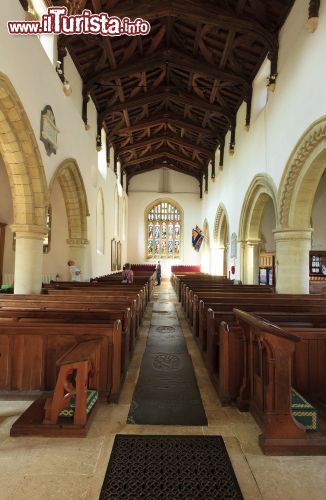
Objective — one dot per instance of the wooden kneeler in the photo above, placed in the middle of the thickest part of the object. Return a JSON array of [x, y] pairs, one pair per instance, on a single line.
[[67, 412]]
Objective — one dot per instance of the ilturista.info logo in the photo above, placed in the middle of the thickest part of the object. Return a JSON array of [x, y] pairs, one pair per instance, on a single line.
[[58, 22]]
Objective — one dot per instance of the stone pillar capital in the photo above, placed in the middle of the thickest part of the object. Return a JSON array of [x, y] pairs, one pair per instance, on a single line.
[[292, 234], [77, 242], [29, 231], [253, 242]]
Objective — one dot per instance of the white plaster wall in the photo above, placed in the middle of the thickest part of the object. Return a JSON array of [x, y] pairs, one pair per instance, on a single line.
[[138, 201], [176, 182], [318, 217], [298, 101], [24, 61]]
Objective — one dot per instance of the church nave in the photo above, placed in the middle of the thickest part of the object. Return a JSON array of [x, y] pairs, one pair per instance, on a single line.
[[39, 468]]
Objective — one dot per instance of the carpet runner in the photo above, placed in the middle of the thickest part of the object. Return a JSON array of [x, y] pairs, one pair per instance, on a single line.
[[166, 392]]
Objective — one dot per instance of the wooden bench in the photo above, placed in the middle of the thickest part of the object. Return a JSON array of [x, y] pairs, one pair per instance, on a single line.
[[228, 363], [86, 302], [179, 280], [138, 295], [212, 340], [67, 412], [192, 304], [34, 315], [273, 367], [189, 291], [29, 352], [227, 303]]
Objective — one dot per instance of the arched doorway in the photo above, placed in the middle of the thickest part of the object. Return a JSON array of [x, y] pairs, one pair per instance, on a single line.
[[69, 210], [257, 222], [297, 196], [23, 164], [7, 255], [219, 265]]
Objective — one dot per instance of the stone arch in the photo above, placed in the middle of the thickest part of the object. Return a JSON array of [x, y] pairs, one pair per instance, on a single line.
[[74, 193], [261, 190], [221, 226], [22, 159], [221, 241], [301, 177], [23, 163], [206, 232], [165, 200], [297, 191]]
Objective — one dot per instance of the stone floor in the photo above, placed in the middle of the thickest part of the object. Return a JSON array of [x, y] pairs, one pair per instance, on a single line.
[[38, 468]]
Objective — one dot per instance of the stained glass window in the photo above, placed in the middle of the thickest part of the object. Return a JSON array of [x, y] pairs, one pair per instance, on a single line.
[[163, 232]]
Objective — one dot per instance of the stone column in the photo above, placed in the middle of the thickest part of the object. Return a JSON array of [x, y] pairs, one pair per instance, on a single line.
[[292, 260], [220, 261], [78, 253], [251, 252], [28, 258], [242, 261]]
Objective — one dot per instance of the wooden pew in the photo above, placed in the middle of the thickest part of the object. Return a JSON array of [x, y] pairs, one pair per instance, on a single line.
[[50, 416], [86, 302], [29, 352], [179, 280], [272, 368], [59, 315], [189, 290], [227, 302], [110, 293], [195, 296], [211, 354], [227, 371], [145, 278]]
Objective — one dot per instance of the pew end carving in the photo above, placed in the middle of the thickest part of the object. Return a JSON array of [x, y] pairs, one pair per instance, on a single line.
[[69, 410], [267, 385]]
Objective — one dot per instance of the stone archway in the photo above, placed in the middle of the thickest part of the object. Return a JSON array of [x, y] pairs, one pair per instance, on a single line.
[[261, 190], [23, 163], [74, 193], [298, 187], [221, 242]]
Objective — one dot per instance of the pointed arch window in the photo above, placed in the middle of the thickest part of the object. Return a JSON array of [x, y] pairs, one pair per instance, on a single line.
[[163, 231]]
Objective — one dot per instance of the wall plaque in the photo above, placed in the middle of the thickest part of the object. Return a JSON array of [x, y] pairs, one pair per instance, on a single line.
[[49, 131], [234, 244]]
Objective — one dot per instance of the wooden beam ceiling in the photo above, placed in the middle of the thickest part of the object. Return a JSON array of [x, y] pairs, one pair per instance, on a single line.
[[175, 93]]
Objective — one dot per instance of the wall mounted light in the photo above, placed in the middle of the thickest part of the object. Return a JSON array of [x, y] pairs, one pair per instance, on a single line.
[[67, 88]]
